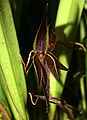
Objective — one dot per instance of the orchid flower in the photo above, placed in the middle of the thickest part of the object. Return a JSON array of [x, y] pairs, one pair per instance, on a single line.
[[43, 60]]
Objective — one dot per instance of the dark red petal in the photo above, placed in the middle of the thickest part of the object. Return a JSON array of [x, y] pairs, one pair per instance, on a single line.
[[38, 70], [41, 41], [52, 39], [43, 76], [52, 66], [46, 84], [59, 65]]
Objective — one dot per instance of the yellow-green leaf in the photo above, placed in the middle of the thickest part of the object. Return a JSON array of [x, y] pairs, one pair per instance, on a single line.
[[11, 72]]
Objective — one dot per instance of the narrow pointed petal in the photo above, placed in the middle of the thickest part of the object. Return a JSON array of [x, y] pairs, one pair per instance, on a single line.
[[38, 70], [59, 65], [46, 84], [41, 41], [52, 38], [52, 66], [43, 77]]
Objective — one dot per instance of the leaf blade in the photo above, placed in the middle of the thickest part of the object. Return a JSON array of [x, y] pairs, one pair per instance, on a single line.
[[11, 72]]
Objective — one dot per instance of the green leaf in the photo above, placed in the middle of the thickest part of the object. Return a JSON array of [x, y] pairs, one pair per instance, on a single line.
[[11, 72], [69, 12], [68, 15], [67, 20], [86, 61], [83, 39]]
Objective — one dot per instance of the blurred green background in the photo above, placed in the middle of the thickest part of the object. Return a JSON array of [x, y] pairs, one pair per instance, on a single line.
[[19, 22]]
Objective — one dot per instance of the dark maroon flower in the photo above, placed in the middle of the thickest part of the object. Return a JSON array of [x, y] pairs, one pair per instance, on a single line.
[[43, 60]]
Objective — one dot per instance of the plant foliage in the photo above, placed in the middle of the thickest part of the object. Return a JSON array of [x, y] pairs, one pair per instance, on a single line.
[[23, 23]]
